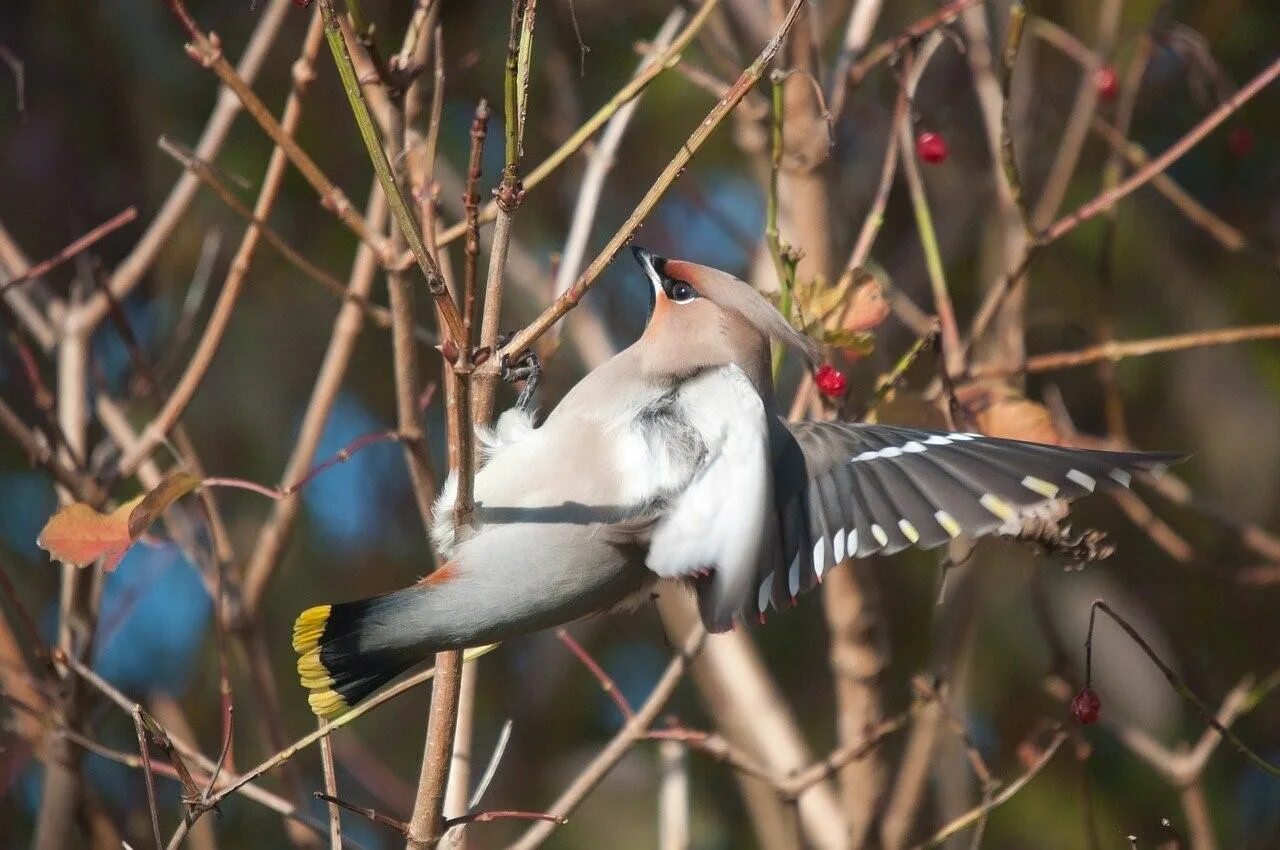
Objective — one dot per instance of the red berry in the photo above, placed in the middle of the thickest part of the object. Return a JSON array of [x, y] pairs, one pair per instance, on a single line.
[[1240, 141], [1107, 82], [1085, 707], [830, 380], [931, 147]]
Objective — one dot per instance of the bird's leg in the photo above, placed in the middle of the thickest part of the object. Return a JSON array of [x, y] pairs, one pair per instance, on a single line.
[[527, 367]]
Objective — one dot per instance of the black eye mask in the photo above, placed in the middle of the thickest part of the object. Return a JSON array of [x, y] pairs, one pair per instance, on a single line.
[[655, 268]]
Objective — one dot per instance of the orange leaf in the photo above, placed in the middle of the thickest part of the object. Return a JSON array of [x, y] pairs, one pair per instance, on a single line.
[[999, 411], [80, 535], [1020, 419]]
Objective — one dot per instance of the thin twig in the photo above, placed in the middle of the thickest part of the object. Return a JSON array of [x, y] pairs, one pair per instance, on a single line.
[[174, 209], [1110, 197], [234, 784], [148, 778], [784, 258], [592, 125], [249, 790], [888, 383], [977, 813], [886, 50], [1116, 137], [331, 792], [210, 341], [510, 194], [1076, 131], [633, 731], [888, 169], [1222, 232], [491, 769], [1115, 351], [841, 756], [372, 814], [606, 682], [1174, 679], [181, 441], [503, 814], [599, 163], [863, 15], [76, 247], [379, 315], [471, 202], [38, 451], [719, 112], [405, 220], [206, 50], [343, 455]]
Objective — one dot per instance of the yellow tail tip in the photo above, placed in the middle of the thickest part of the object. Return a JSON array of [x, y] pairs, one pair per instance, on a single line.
[[327, 703], [312, 672], [308, 628]]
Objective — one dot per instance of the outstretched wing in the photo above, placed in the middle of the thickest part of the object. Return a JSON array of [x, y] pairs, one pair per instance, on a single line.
[[880, 488], [724, 520]]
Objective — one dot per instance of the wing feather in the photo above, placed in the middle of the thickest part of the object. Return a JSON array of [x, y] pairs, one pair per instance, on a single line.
[[901, 486]]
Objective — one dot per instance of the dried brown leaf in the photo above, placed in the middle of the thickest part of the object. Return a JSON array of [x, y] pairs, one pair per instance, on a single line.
[[174, 486]]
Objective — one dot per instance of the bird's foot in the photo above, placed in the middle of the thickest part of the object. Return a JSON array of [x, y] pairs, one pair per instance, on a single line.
[[527, 367]]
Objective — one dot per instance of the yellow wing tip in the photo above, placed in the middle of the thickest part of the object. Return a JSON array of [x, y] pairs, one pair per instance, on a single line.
[[308, 628]]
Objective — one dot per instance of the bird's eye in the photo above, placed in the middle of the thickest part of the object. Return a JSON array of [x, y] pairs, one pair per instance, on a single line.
[[682, 292]]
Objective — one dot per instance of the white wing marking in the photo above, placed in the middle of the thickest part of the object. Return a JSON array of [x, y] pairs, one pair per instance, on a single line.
[[837, 543]]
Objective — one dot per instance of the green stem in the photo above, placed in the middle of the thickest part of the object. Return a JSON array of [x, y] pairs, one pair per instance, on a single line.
[[510, 110], [889, 382], [784, 268], [942, 306], [382, 167]]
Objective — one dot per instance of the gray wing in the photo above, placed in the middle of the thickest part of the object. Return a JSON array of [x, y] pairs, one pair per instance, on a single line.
[[850, 490]]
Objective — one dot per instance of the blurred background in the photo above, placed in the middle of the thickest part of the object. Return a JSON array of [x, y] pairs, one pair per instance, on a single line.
[[101, 82]]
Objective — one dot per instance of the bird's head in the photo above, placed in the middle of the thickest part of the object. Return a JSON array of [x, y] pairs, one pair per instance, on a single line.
[[701, 317]]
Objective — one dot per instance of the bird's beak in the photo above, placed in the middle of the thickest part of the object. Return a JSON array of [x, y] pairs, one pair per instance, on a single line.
[[652, 265]]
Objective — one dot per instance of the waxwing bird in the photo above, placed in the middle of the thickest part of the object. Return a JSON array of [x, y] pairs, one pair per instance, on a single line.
[[671, 462]]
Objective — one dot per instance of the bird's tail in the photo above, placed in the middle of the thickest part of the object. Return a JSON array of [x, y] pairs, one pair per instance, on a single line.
[[347, 651]]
